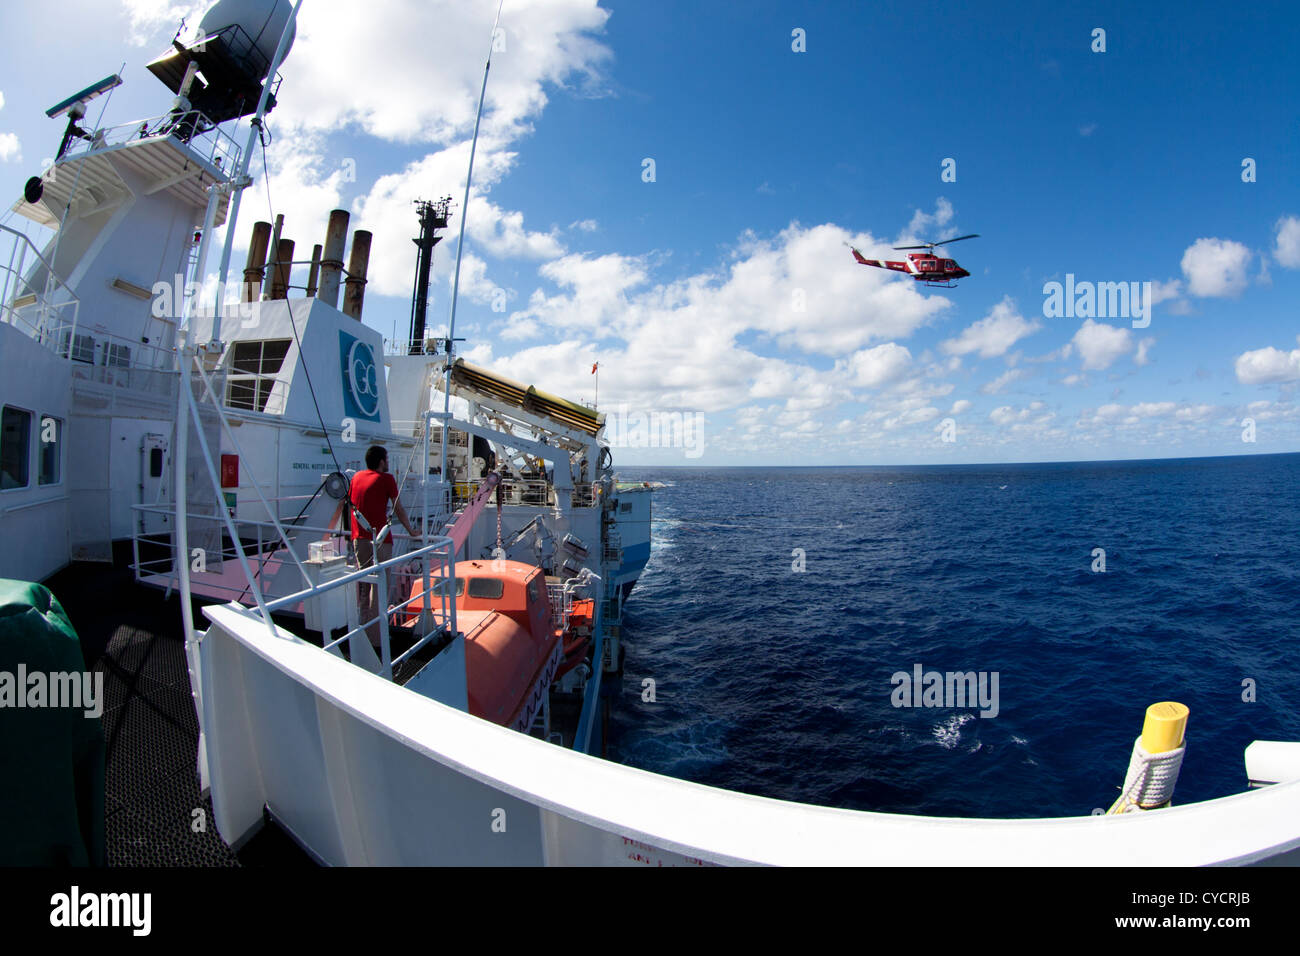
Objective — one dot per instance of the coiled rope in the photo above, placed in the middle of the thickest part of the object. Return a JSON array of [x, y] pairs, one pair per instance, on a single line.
[[1150, 780]]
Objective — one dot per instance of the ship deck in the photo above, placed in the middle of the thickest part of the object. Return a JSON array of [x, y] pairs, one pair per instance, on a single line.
[[151, 733]]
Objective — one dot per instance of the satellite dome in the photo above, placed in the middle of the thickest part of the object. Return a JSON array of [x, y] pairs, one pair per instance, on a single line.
[[262, 21]]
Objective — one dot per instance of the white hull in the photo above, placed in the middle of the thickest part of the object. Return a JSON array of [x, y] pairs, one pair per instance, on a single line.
[[362, 771]]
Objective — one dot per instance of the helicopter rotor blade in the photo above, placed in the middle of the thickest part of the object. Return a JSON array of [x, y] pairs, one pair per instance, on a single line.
[[973, 235], [928, 245]]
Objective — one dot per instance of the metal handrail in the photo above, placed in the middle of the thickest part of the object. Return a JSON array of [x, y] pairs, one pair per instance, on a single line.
[[42, 330], [222, 151]]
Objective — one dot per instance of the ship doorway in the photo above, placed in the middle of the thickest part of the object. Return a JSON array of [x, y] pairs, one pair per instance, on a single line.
[[155, 486]]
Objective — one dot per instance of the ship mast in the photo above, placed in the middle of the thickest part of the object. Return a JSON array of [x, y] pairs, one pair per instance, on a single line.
[[460, 248], [433, 216]]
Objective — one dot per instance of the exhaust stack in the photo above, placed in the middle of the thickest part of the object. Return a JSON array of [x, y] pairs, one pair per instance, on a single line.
[[313, 277], [255, 271], [331, 264], [358, 264], [283, 269]]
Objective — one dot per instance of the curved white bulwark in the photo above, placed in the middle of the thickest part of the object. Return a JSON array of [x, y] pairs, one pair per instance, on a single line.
[[364, 772]]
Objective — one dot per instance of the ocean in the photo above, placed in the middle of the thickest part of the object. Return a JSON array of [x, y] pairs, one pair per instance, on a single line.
[[779, 682]]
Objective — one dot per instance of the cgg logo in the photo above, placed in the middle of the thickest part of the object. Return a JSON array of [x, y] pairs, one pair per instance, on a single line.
[[360, 378]]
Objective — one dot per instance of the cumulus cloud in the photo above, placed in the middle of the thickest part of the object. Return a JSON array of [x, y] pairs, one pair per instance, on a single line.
[[396, 88], [923, 223], [1286, 248], [871, 368], [1216, 268], [959, 406], [1268, 365], [994, 334], [1099, 345], [996, 386], [1035, 413], [10, 148], [794, 289]]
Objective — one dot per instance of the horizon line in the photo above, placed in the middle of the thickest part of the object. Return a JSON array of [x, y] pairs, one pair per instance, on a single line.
[[961, 464]]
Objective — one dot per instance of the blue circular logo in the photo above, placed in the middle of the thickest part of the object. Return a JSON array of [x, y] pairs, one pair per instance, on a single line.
[[363, 378]]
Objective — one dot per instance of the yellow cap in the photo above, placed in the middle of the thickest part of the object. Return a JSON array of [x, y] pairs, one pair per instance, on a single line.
[[1164, 727]]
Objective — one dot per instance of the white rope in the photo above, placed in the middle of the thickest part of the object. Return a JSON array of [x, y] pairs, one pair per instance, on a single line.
[[1150, 780]]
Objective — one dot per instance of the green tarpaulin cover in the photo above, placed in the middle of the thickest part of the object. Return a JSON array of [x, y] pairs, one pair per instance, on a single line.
[[51, 756]]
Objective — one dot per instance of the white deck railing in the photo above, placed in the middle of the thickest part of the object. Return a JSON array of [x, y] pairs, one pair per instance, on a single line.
[[46, 311], [203, 137]]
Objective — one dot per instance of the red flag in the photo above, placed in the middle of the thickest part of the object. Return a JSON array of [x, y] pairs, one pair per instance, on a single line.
[[594, 367]]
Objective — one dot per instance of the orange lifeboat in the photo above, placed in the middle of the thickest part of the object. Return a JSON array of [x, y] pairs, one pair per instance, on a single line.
[[513, 652]]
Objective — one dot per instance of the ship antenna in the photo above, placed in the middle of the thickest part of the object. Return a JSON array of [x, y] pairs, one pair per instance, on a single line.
[[242, 180], [460, 248]]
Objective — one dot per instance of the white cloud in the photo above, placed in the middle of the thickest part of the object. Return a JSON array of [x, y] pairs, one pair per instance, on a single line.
[[994, 334], [1087, 129], [1286, 249], [871, 368], [404, 85], [1153, 409], [1035, 414], [1216, 268], [796, 289], [923, 223], [1144, 347], [147, 17], [1163, 291], [388, 212], [959, 406], [1099, 345], [10, 149], [503, 234], [1268, 365], [595, 293], [585, 225], [1002, 381]]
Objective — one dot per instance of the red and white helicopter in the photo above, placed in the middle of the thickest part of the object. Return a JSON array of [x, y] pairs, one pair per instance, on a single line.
[[924, 266]]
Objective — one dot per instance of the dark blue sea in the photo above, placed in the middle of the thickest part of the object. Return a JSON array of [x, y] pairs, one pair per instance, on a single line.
[[777, 683]]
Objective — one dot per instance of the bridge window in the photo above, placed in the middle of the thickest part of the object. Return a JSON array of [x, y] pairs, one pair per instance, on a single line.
[[15, 447], [50, 457], [253, 367]]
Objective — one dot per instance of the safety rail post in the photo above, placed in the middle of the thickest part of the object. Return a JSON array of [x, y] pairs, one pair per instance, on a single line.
[[385, 649], [426, 612]]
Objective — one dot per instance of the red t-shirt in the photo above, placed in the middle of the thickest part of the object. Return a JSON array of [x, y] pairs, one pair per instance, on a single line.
[[371, 492]]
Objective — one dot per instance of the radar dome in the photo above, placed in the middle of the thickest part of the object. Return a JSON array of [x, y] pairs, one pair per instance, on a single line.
[[261, 20]]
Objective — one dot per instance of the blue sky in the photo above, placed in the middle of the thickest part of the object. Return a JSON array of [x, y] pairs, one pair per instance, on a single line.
[[1123, 165]]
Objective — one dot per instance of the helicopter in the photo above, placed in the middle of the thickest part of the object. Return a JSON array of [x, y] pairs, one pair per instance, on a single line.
[[924, 266]]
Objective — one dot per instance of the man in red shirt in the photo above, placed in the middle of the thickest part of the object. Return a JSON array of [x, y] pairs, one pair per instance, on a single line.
[[372, 489]]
